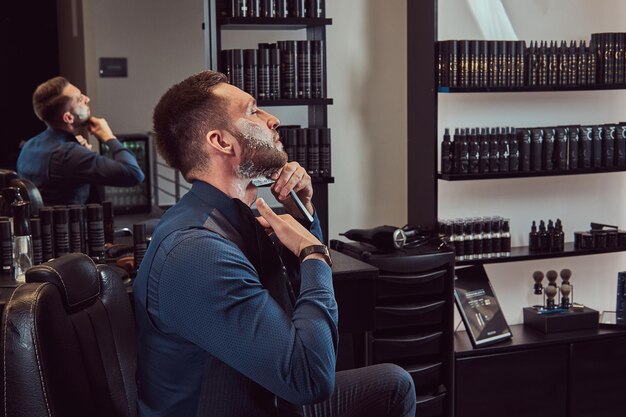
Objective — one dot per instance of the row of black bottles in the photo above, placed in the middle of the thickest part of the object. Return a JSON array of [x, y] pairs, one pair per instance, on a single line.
[[477, 237], [286, 69], [310, 147], [498, 63], [550, 238], [271, 8], [485, 150]]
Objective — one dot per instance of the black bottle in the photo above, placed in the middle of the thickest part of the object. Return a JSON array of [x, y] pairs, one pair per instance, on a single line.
[[317, 68], [302, 147], [35, 231], [250, 64], [46, 214], [503, 150], [95, 232], [461, 156], [585, 149], [581, 56], [558, 239], [523, 139], [560, 148], [547, 158], [596, 152], [620, 145], [263, 74], [304, 69], [544, 237], [505, 238], [477, 238], [324, 135], [550, 228], [288, 68], [573, 63], [533, 238], [483, 161], [474, 152], [608, 145], [514, 153], [275, 75], [487, 237], [536, 149], [563, 66], [61, 231], [313, 152], [459, 240], [573, 145], [446, 153], [468, 239], [496, 235], [494, 150], [6, 248]]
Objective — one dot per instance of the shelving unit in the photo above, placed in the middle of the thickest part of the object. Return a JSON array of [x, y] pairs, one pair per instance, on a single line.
[[493, 375], [316, 107]]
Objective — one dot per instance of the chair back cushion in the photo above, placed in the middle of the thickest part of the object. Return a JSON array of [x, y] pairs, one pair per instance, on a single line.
[[69, 342]]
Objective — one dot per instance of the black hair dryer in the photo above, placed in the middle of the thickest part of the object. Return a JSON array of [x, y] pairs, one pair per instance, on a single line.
[[383, 237]]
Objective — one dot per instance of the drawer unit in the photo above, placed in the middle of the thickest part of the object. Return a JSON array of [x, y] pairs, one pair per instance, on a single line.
[[414, 318], [400, 285], [390, 316], [406, 346]]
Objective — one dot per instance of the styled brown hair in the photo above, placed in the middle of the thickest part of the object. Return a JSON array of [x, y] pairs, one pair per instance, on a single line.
[[49, 102], [184, 115]]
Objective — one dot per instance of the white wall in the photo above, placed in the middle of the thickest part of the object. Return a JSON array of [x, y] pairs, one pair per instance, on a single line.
[[577, 200]]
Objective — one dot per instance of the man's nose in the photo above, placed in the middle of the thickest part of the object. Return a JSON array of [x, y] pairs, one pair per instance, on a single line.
[[273, 122]]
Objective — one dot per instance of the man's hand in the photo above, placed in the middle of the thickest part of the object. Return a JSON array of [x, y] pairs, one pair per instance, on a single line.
[[83, 142], [290, 233], [100, 129], [293, 177]]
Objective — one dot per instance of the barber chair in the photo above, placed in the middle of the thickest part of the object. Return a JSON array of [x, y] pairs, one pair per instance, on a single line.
[[6, 175], [69, 342], [29, 192]]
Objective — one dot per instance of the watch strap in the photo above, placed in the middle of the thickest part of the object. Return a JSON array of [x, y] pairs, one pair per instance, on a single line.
[[320, 249]]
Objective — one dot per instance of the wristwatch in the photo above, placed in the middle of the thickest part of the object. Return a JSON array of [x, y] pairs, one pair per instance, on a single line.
[[321, 249]]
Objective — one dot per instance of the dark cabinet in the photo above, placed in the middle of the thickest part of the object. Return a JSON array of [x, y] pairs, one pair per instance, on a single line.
[[414, 311], [598, 378], [516, 384], [569, 374]]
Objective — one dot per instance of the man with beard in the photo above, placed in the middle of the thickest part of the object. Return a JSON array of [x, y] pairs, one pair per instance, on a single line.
[[221, 330], [59, 160]]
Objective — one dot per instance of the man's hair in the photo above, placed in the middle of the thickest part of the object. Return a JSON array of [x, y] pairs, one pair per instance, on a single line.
[[49, 102], [182, 118]]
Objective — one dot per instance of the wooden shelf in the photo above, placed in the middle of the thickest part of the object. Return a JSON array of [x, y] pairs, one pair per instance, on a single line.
[[521, 253], [539, 88], [527, 174]]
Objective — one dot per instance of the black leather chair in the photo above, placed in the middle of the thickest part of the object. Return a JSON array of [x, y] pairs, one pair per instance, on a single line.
[[29, 192], [69, 342]]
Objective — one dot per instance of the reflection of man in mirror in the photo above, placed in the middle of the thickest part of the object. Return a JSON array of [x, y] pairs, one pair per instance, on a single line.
[[59, 161]]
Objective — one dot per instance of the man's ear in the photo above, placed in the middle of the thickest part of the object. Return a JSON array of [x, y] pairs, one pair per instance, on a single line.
[[220, 142], [68, 118]]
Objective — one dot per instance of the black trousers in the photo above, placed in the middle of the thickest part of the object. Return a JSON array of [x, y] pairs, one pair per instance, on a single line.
[[373, 391]]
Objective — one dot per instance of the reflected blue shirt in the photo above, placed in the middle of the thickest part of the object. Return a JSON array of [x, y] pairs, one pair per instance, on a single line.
[[63, 170]]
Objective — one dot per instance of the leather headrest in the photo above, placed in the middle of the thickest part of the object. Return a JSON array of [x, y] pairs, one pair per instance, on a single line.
[[75, 275], [29, 192]]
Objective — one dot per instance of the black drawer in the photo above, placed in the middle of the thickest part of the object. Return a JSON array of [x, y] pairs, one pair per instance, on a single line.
[[406, 346], [394, 285], [430, 405], [425, 375], [414, 314]]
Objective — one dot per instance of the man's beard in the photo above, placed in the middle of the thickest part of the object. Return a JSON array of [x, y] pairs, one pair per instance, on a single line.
[[81, 116], [260, 155]]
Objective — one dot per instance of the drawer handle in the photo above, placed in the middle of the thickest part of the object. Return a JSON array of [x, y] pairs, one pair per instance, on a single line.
[[411, 279], [410, 309], [418, 369], [418, 340]]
